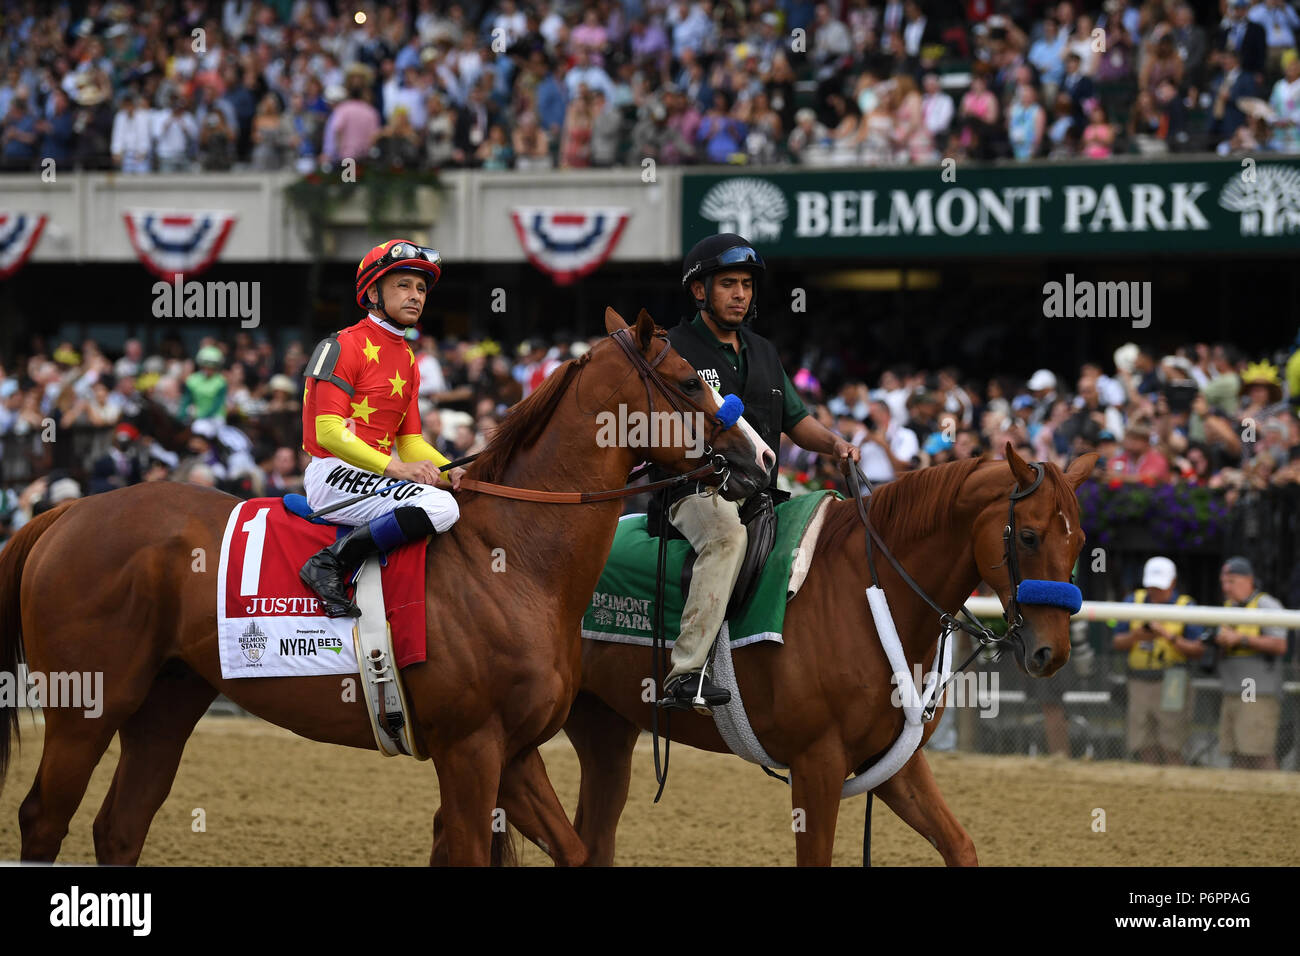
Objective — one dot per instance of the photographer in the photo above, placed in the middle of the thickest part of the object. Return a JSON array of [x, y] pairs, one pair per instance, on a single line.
[[1250, 673], [1159, 702]]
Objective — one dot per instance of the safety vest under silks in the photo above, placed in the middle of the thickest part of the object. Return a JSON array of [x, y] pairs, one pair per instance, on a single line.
[[1248, 630], [1160, 652]]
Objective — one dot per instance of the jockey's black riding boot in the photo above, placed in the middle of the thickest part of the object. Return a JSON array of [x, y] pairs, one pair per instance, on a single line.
[[326, 572], [682, 690]]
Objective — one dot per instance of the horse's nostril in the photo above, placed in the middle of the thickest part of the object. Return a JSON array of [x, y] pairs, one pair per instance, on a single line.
[[768, 460], [1042, 657]]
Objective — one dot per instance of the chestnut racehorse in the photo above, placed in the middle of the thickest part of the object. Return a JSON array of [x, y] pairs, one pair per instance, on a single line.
[[107, 584], [821, 702]]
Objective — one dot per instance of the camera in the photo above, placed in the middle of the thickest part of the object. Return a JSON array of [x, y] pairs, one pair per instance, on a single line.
[[1208, 662]]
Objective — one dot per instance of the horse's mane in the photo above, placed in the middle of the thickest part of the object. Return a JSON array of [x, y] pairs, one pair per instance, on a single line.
[[524, 423], [918, 503]]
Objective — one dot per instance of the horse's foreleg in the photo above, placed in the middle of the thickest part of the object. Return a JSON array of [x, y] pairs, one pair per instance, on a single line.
[[534, 810], [816, 778], [469, 775], [913, 794], [153, 739], [604, 741]]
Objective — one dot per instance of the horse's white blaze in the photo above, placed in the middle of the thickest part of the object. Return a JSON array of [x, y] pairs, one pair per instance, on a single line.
[[1068, 532], [760, 447]]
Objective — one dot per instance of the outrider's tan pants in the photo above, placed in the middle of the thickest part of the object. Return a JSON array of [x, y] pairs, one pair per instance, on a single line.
[[712, 526]]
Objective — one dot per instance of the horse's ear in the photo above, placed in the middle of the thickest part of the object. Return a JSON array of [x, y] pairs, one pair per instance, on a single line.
[[645, 330], [613, 321], [1080, 469], [1023, 473]]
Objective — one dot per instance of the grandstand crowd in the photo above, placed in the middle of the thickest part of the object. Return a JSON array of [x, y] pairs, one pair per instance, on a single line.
[[192, 85], [231, 415]]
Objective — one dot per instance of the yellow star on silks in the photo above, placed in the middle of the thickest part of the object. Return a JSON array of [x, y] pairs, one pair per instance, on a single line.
[[397, 382], [384, 442], [372, 351], [362, 410]]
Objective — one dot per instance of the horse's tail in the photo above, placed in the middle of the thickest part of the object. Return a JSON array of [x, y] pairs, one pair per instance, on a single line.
[[13, 557], [505, 848]]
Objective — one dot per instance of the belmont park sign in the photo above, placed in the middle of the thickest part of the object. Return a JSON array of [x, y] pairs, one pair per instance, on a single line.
[[1033, 209]]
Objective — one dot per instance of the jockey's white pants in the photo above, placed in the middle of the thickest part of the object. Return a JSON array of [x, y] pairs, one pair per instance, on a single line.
[[712, 526], [328, 481]]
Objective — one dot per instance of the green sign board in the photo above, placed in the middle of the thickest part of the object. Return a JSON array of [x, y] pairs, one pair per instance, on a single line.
[[1218, 205]]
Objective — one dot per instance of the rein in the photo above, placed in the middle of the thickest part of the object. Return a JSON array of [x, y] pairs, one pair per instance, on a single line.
[[677, 400], [980, 632]]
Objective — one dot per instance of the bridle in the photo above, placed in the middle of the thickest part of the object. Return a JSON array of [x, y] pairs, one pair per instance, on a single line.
[[1057, 593], [679, 401]]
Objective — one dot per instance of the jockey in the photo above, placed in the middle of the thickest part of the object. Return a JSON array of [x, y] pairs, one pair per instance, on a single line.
[[719, 275], [361, 420]]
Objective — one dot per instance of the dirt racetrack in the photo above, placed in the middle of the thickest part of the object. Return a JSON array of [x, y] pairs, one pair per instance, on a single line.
[[271, 798]]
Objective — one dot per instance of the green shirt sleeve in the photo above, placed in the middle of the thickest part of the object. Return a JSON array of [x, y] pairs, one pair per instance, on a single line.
[[793, 410]]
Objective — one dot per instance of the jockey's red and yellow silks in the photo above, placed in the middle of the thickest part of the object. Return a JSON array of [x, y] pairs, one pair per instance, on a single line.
[[382, 415]]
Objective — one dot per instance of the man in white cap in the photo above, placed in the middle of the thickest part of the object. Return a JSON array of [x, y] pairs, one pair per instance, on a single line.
[[1159, 702], [1043, 386]]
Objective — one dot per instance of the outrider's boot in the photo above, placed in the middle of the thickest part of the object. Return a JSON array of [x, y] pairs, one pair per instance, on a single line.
[[326, 572], [682, 691]]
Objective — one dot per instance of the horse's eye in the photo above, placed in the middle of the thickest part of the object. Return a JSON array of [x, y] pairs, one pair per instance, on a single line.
[[1029, 538], [691, 385]]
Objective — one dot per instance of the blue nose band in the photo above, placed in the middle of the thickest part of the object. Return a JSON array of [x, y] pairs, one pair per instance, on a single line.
[[1052, 593], [730, 412]]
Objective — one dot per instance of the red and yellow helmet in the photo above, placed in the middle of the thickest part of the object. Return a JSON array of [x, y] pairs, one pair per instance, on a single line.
[[393, 255]]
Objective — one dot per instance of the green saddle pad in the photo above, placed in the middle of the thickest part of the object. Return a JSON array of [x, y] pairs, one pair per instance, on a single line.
[[622, 607]]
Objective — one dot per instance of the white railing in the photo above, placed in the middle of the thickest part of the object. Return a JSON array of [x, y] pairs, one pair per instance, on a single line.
[[1187, 614]]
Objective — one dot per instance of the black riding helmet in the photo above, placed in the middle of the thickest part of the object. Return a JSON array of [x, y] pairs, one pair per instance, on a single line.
[[716, 254]]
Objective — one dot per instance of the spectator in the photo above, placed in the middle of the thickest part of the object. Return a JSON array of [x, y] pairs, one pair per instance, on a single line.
[[937, 108], [1159, 692], [495, 152], [352, 125], [176, 137], [1139, 461], [606, 130], [397, 145], [1189, 40], [1285, 102], [911, 137], [20, 137], [1098, 135], [720, 137], [575, 147], [888, 448], [216, 143], [532, 147], [807, 135], [1246, 41], [57, 131], [131, 143], [1281, 26], [472, 125], [1235, 82], [439, 132], [1250, 673], [1026, 123], [978, 118], [273, 136]]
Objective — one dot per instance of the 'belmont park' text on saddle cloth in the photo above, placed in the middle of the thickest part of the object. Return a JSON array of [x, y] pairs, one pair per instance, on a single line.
[[622, 607]]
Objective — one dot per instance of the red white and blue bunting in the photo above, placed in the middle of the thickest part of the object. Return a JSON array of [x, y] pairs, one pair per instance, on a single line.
[[172, 241], [567, 243], [19, 233]]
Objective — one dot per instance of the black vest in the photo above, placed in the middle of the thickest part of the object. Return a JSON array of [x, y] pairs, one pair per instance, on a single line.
[[763, 392]]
